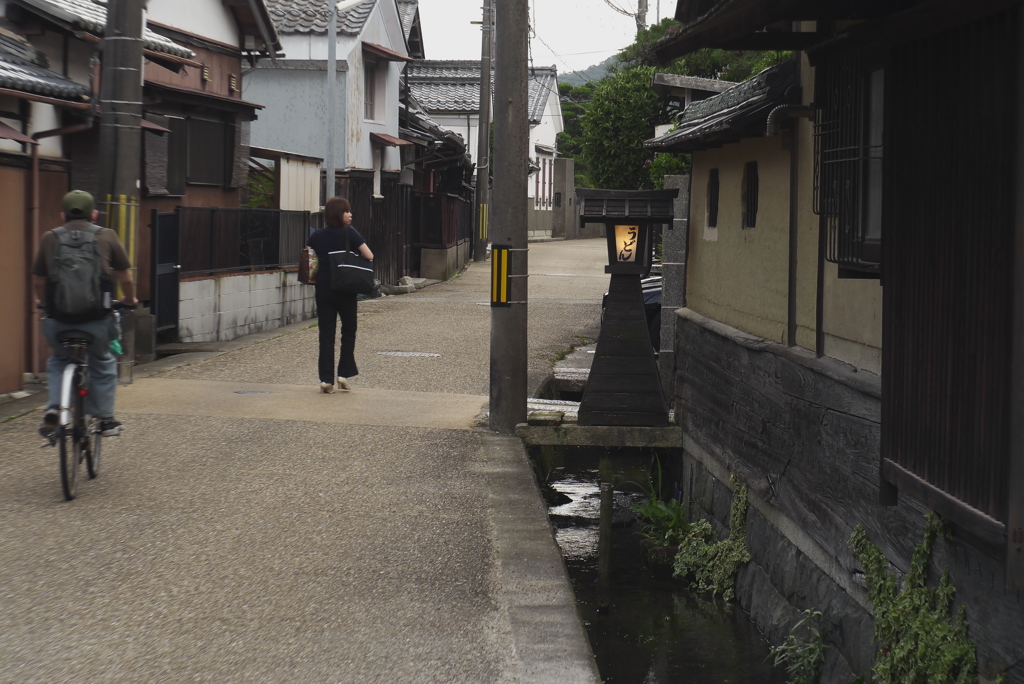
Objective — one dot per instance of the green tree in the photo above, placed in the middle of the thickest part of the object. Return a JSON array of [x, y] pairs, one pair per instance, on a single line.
[[621, 116], [607, 121], [575, 101]]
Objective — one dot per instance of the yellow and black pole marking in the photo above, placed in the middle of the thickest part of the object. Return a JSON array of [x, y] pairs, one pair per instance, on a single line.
[[122, 211], [500, 275], [483, 221]]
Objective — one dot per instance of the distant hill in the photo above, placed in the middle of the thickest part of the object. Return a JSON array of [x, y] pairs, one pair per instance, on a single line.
[[591, 73]]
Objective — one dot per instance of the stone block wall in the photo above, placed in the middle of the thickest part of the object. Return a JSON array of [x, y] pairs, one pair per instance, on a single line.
[[227, 307]]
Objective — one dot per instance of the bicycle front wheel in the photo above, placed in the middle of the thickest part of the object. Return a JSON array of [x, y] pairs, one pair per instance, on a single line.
[[93, 439], [70, 460]]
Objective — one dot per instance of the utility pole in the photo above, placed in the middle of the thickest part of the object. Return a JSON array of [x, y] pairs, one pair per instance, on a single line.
[[641, 16], [483, 169], [121, 134], [332, 82], [508, 227]]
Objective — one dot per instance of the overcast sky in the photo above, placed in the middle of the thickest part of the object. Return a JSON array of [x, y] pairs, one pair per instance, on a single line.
[[569, 34]]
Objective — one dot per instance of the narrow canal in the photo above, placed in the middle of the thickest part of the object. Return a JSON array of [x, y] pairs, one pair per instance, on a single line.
[[644, 626]]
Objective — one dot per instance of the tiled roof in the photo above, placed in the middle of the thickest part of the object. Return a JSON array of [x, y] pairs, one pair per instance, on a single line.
[[22, 68], [727, 117], [407, 11], [454, 86], [311, 16], [92, 17]]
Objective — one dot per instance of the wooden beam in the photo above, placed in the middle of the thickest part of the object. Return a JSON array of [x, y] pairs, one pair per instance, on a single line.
[[984, 528]]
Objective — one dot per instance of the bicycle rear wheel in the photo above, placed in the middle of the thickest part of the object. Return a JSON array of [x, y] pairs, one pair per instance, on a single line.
[[93, 440], [70, 460], [72, 439]]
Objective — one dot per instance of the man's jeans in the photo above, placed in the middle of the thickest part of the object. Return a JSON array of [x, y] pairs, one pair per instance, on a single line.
[[99, 401]]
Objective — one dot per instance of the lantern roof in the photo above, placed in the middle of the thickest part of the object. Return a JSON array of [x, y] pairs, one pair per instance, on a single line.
[[644, 206]]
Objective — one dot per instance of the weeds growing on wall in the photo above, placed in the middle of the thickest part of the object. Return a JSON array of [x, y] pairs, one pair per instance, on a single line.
[[803, 651], [920, 639], [709, 563]]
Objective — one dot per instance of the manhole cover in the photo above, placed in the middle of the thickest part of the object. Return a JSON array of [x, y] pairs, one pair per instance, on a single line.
[[407, 354], [251, 392]]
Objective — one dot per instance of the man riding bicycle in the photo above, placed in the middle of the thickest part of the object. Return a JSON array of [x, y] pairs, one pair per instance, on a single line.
[[79, 216]]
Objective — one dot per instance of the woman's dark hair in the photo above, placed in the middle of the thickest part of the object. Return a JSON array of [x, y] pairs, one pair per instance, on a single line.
[[334, 211]]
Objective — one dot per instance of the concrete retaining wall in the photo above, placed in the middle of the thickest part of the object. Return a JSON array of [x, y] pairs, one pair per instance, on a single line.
[[223, 308]]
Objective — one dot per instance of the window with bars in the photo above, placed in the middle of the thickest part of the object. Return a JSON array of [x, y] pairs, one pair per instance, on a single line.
[[370, 90], [750, 188], [850, 92], [712, 208]]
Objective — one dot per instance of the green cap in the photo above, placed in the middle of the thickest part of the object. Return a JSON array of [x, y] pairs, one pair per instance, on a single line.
[[78, 204]]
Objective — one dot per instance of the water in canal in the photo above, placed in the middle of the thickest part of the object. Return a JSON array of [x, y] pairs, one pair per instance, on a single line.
[[644, 626]]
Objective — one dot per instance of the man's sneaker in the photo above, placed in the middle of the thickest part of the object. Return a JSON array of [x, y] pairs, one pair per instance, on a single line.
[[48, 428], [343, 383], [326, 388], [109, 427]]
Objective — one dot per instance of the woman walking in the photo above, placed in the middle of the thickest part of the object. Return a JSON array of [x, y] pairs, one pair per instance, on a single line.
[[336, 235]]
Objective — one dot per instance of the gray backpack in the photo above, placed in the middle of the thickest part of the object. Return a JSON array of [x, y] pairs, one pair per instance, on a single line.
[[79, 287]]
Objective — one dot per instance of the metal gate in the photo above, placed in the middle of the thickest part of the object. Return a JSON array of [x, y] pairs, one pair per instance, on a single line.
[[166, 269]]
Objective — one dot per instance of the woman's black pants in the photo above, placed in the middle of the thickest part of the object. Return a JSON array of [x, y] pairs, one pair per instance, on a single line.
[[330, 306]]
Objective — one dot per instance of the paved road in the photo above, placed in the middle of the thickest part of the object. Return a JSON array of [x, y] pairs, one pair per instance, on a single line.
[[246, 528]]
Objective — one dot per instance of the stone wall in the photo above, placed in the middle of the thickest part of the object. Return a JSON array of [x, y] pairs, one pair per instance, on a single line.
[[226, 307]]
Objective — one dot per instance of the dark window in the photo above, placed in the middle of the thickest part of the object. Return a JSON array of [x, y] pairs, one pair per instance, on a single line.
[[177, 155], [849, 158], [370, 90], [207, 152], [713, 198], [750, 195]]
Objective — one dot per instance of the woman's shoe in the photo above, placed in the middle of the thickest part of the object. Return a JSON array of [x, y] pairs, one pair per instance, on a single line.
[[326, 388], [343, 384]]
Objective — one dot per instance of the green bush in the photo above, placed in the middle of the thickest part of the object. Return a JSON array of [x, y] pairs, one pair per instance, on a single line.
[[920, 640], [711, 563], [803, 654]]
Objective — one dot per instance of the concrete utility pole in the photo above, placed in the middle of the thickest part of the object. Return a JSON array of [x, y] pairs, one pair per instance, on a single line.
[[641, 16], [121, 135], [332, 100], [483, 135], [121, 108], [508, 224]]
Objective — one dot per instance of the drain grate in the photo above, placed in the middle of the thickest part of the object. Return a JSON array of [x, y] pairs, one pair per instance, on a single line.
[[252, 392], [401, 353]]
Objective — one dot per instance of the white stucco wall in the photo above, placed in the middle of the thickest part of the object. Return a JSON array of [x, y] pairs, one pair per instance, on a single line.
[[295, 116], [201, 17]]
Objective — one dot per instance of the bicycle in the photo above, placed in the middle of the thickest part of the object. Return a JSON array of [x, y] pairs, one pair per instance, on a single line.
[[77, 434]]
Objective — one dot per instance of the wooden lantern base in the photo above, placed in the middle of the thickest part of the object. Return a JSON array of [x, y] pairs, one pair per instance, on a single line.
[[624, 387]]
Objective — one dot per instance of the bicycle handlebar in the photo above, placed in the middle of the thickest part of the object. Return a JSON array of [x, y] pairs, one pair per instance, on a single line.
[[116, 305]]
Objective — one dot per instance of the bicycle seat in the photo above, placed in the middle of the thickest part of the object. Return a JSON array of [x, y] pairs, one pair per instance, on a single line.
[[74, 337]]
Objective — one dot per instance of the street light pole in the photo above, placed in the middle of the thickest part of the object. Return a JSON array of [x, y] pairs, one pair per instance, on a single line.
[[483, 135], [508, 227]]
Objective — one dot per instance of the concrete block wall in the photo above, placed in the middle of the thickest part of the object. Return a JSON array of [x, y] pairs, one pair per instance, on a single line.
[[539, 223], [227, 307]]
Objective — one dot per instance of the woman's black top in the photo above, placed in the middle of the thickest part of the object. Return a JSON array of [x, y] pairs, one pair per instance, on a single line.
[[332, 239]]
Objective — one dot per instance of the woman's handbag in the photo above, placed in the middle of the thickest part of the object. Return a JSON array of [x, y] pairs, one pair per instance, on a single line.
[[350, 272], [308, 266]]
